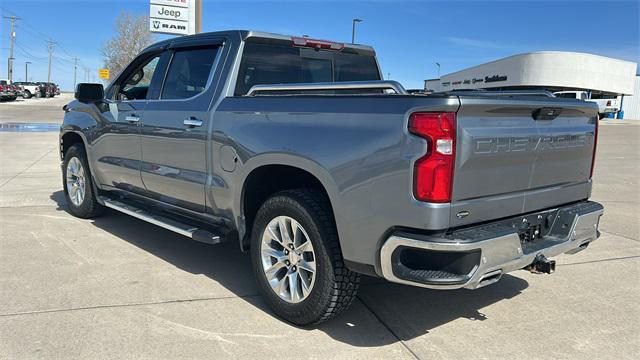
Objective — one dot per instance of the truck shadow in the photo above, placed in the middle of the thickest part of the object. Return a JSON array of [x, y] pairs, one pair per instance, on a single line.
[[408, 312]]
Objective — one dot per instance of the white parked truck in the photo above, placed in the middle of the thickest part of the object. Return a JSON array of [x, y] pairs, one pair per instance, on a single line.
[[605, 105], [30, 89]]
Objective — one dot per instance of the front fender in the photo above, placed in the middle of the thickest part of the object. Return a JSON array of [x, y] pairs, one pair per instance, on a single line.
[[82, 120]]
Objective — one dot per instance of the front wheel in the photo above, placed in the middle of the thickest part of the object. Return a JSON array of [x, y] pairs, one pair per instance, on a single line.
[[26, 95], [297, 259], [77, 183]]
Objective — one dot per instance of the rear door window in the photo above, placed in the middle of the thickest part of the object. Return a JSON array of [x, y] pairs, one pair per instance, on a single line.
[[188, 73], [285, 64]]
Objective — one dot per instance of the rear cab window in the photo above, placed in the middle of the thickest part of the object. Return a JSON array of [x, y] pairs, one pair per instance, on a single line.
[[281, 63]]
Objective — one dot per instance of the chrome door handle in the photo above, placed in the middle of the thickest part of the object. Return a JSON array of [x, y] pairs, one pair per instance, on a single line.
[[191, 122], [132, 119]]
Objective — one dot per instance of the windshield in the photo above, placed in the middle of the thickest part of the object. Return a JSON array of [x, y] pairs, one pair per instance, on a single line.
[[284, 64]]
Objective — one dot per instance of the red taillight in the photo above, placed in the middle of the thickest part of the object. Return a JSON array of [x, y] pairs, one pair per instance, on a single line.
[[609, 103], [316, 44], [595, 143], [433, 173]]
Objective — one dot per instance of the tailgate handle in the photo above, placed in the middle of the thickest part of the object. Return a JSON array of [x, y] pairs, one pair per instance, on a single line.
[[546, 113]]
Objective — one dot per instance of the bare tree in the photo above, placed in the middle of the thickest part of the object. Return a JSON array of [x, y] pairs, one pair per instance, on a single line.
[[131, 36]]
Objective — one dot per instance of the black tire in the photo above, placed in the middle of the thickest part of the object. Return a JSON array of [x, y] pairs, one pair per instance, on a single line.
[[89, 207], [335, 286], [27, 94]]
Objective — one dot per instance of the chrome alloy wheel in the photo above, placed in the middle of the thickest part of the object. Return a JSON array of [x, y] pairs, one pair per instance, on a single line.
[[288, 260], [75, 181]]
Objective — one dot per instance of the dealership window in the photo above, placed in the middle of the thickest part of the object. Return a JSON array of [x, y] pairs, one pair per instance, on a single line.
[[188, 73]]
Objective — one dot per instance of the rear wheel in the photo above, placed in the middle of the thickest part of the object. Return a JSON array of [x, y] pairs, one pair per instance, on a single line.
[[297, 258], [27, 94], [77, 183]]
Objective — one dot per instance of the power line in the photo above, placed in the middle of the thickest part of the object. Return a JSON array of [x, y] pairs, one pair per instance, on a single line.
[[51, 43], [44, 36], [25, 52]]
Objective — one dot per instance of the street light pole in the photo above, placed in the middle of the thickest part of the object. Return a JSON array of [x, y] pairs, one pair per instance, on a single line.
[[26, 71], [438, 65], [353, 29]]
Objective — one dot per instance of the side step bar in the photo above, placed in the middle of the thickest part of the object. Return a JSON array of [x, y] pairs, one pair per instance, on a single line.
[[189, 231]]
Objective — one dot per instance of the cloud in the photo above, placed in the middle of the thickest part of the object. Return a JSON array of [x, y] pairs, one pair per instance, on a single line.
[[466, 42]]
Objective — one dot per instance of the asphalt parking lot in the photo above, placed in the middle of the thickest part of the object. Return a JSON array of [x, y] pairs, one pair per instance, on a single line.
[[116, 287]]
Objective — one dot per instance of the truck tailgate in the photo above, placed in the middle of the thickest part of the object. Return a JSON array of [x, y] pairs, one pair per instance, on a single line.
[[508, 163]]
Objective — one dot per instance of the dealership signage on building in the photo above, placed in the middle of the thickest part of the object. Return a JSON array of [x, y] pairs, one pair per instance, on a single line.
[[176, 17]]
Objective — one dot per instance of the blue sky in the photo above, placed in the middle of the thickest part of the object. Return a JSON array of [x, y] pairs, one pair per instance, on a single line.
[[409, 36]]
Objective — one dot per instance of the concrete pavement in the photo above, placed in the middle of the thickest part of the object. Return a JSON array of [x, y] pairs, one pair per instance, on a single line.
[[116, 287]]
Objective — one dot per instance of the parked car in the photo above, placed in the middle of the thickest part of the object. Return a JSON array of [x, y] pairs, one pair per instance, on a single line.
[[8, 92], [57, 89], [30, 89], [19, 89], [53, 89], [297, 150], [606, 105], [45, 89]]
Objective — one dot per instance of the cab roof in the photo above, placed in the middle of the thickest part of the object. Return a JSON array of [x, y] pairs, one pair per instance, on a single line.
[[242, 35]]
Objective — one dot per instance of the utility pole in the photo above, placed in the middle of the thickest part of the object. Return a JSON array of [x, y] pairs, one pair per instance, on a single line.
[[26, 71], [75, 69], [12, 38], [353, 29], [50, 45]]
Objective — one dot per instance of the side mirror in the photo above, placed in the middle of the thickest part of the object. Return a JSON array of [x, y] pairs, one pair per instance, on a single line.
[[86, 92]]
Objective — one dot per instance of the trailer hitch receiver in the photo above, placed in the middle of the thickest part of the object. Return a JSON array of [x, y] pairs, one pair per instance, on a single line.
[[542, 265]]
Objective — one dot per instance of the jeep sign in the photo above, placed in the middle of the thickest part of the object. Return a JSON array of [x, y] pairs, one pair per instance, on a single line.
[[175, 17], [169, 12]]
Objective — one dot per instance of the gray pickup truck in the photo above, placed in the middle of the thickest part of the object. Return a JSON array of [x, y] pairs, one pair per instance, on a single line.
[[297, 150]]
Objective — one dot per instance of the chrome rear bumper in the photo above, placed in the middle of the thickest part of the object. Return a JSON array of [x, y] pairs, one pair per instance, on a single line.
[[499, 246]]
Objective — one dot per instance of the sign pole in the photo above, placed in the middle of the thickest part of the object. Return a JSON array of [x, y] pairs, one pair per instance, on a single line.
[[198, 16]]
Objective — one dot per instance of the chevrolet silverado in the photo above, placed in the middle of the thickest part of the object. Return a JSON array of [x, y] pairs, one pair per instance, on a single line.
[[297, 150]]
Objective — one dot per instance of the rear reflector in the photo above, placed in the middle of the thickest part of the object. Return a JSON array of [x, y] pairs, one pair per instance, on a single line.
[[316, 44], [433, 173]]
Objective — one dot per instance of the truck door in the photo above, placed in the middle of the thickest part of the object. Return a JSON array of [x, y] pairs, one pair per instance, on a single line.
[[175, 127], [116, 149]]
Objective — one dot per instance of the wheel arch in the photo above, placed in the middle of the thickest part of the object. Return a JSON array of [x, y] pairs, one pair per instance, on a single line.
[[69, 139], [273, 173]]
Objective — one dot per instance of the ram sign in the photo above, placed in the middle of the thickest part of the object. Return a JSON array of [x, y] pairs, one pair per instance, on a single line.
[[176, 17]]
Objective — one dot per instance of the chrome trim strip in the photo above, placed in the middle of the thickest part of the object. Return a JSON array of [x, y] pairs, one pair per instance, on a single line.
[[502, 253], [347, 85]]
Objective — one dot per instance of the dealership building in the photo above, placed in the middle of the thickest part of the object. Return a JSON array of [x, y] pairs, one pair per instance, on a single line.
[[602, 77]]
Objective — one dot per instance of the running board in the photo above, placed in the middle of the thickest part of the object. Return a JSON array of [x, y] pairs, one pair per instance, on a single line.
[[189, 231]]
